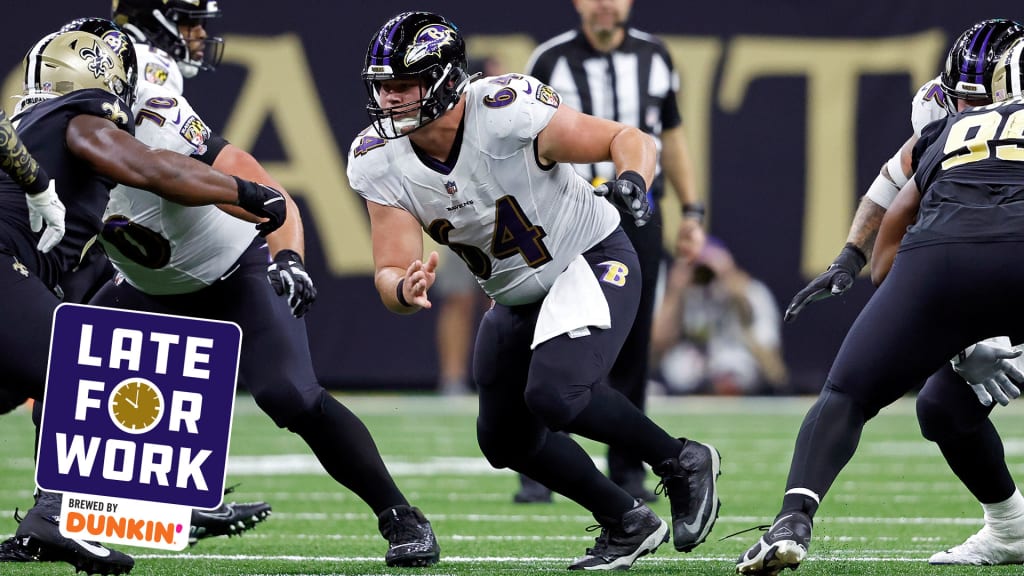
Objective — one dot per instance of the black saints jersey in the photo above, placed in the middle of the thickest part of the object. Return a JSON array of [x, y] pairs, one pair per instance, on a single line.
[[970, 170], [84, 192]]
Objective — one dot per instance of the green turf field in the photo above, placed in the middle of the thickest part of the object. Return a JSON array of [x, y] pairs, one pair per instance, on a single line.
[[893, 506]]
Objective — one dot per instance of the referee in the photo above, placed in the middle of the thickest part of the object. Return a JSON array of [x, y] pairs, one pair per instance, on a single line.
[[609, 70]]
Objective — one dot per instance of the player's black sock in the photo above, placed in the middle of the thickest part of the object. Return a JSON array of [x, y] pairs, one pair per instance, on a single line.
[[978, 460], [562, 465], [346, 450]]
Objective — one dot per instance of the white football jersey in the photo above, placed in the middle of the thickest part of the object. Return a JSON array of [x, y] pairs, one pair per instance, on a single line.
[[927, 105], [515, 224], [161, 247]]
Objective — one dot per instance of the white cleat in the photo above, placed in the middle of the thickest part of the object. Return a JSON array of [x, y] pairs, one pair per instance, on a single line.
[[986, 548]]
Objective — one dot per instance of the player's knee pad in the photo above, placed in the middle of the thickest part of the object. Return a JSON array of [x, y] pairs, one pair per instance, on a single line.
[[558, 391], [289, 406], [553, 405], [930, 417], [507, 448]]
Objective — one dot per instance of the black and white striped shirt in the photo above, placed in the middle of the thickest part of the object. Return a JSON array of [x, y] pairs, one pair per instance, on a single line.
[[635, 84]]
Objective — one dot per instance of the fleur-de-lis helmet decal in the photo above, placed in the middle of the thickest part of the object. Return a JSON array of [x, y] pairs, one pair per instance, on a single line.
[[86, 53]]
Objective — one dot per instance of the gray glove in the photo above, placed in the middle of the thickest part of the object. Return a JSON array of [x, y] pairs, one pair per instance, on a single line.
[[991, 369]]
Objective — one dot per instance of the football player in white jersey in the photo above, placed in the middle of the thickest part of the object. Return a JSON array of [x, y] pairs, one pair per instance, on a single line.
[[947, 410], [202, 263], [484, 168]]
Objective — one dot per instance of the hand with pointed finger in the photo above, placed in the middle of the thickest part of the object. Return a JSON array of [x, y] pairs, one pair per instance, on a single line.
[[46, 207], [419, 277], [288, 277], [263, 201]]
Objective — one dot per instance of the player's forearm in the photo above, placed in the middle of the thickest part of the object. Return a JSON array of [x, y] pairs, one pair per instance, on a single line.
[[866, 223], [633, 150], [237, 162], [290, 236], [389, 282], [16, 161]]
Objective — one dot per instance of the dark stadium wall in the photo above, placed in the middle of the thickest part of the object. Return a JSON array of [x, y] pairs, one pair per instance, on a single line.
[[790, 107]]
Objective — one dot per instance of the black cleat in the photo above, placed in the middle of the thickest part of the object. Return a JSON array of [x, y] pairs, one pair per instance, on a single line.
[[531, 492], [639, 532], [411, 541], [230, 519], [12, 550], [691, 484], [39, 534], [784, 545]]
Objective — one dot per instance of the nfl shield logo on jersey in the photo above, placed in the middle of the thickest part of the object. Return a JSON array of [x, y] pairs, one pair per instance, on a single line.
[[451, 187]]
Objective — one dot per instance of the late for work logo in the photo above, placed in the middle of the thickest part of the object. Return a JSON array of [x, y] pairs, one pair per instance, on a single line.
[[136, 422]]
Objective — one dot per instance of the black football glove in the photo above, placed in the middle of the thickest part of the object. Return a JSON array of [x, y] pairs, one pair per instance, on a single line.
[[288, 276], [835, 280], [263, 201], [628, 193]]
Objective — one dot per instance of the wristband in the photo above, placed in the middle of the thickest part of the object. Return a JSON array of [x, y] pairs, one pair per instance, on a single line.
[[895, 168], [882, 191], [694, 211], [635, 178], [40, 184], [400, 295]]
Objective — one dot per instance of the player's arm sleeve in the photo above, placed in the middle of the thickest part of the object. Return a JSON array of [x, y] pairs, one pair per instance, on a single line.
[[368, 171], [214, 145], [16, 161], [531, 110]]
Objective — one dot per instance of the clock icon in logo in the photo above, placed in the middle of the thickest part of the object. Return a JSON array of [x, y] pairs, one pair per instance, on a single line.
[[136, 405]]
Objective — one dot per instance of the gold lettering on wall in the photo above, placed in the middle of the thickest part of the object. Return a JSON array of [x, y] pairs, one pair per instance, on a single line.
[[280, 88], [832, 68]]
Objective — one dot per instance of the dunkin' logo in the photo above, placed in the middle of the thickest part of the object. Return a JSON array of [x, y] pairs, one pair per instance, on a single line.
[[140, 532]]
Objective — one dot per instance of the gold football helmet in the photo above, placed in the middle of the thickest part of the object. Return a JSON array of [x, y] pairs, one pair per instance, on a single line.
[[1008, 77], [76, 59]]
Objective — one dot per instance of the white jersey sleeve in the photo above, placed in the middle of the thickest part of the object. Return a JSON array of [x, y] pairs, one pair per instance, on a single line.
[[928, 105], [158, 68], [159, 246], [516, 224]]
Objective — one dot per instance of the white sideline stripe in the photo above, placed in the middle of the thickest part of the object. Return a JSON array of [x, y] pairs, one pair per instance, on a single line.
[[580, 518], [501, 559], [290, 464]]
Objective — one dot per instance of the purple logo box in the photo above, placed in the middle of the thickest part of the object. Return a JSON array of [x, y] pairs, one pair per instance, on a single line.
[[138, 406]]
